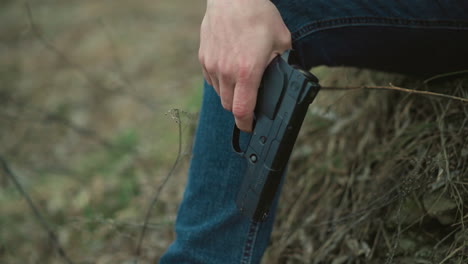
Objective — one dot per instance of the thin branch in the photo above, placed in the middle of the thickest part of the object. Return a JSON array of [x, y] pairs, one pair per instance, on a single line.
[[37, 214], [51, 117], [96, 82], [443, 75], [399, 89], [176, 116], [38, 33], [115, 56]]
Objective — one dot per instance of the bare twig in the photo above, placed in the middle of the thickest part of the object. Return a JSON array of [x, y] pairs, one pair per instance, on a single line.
[[79, 68], [37, 214], [176, 116], [399, 89], [52, 117], [116, 58], [443, 75]]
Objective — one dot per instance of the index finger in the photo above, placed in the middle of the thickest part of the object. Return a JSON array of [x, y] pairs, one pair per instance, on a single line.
[[245, 97]]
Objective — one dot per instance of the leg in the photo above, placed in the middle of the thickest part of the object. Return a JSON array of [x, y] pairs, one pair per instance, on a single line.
[[209, 227], [416, 37], [404, 36]]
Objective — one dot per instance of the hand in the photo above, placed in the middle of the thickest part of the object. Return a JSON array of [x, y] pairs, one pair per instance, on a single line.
[[238, 39]]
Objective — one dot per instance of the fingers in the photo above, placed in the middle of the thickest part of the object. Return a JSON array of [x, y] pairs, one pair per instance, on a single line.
[[215, 82], [237, 41], [237, 82], [226, 90], [209, 73], [206, 76], [221, 78], [237, 89], [245, 97]]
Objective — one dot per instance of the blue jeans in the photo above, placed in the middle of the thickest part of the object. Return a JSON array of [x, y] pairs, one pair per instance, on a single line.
[[416, 37]]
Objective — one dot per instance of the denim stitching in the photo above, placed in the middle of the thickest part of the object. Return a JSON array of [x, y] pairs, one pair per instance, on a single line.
[[321, 25], [249, 243]]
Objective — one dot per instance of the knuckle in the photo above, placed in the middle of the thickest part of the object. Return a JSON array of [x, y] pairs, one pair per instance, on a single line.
[[201, 58], [287, 36], [287, 40], [226, 105], [225, 66], [240, 111], [225, 69], [210, 67], [284, 40], [244, 71]]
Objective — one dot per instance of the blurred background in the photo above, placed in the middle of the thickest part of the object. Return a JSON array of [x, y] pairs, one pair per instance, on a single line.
[[92, 95], [99, 101]]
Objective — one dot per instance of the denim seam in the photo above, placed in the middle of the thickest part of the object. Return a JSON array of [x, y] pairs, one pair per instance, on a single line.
[[321, 25], [249, 243]]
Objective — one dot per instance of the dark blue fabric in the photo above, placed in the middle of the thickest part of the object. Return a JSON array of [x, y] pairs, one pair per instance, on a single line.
[[416, 37], [421, 37], [209, 227]]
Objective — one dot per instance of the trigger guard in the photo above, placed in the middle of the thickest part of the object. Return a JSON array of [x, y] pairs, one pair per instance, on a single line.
[[235, 141], [236, 137]]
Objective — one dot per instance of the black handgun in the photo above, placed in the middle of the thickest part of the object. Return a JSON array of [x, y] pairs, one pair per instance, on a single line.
[[283, 97]]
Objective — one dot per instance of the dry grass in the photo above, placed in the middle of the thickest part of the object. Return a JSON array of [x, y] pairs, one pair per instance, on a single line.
[[377, 177]]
